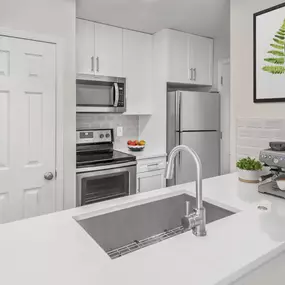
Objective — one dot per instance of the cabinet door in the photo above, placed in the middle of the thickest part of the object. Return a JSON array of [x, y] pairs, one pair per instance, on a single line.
[[149, 181], [178, 57], [85, 47], [201, 60], [137, 68], [108, 50]]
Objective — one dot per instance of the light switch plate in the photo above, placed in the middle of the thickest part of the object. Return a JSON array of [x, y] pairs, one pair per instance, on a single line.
[[120, 131]]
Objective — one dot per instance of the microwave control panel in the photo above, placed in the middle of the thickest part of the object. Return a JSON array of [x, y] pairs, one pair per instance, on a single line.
[[121, 102]]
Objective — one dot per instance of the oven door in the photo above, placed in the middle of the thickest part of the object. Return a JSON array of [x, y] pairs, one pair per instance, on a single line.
[[101, 185], [105, 94]]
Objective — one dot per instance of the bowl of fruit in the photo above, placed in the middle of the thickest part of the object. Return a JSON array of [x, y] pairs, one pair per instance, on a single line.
[[136, 145]]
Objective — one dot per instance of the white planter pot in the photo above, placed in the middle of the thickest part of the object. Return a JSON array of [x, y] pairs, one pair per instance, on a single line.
[[249, 176]]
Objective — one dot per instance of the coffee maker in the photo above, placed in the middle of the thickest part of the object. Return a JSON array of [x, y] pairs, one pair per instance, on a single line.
[[274, 159]]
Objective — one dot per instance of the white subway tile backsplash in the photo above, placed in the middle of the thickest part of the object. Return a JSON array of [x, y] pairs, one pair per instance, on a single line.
[[266, 133], [254, 134], [130, 125], [247, 132], [274, 124], [248, 151], [255, 123]]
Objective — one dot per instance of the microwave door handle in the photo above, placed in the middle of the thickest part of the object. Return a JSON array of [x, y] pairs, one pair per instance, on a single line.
[[116, 93]]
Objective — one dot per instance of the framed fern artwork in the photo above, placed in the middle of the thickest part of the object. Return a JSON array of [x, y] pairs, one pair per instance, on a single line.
[[269, 55]]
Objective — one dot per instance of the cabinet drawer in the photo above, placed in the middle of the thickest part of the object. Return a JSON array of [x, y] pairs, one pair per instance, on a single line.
[[149, 181], [152, 164]]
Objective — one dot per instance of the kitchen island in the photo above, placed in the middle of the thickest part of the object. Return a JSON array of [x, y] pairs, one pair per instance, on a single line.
[[55, 249]]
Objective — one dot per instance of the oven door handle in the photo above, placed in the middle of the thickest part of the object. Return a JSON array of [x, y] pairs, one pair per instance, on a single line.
[[103, 172], [92, 169], [116, 94]]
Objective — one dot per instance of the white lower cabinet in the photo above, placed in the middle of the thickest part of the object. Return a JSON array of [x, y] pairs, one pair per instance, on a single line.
[[150, 174], [149, 181]]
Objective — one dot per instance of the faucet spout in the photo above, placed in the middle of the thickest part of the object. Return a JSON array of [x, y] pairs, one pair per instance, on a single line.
[[197, 220]]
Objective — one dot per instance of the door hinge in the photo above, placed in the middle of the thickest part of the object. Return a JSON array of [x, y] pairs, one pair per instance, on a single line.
[[55, 174], [222, 80]]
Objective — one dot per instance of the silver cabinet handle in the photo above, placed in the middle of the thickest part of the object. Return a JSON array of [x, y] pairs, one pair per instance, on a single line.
[[195, 74], [92, 63], [191, 70], [48, 176], [97, 64]]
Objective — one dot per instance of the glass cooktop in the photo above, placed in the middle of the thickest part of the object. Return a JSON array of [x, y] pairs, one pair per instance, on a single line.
[[89, 159]]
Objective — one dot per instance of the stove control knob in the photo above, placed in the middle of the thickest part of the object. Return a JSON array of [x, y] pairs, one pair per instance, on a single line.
[[107, 136], [275, 160], [101, 136]]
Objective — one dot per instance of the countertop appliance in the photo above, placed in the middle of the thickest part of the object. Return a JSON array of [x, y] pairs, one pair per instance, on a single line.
[[102, 173], [102, 94], [275, 160], [193, 119]]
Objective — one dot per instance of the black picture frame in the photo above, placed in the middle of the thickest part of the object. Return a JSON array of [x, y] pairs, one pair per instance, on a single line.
[[255, 99]]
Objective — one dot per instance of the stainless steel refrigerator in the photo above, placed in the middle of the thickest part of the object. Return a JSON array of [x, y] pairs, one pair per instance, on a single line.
[[193, 119]]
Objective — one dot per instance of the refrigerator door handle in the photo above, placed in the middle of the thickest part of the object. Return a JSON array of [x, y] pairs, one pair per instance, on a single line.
[[177, 167], [179, 155], [178, 118]]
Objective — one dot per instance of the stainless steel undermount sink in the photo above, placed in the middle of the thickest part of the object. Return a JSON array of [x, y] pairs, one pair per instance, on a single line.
[[128, 230]]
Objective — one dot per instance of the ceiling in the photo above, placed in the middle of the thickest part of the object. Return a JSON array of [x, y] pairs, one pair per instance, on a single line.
[[203, 17]]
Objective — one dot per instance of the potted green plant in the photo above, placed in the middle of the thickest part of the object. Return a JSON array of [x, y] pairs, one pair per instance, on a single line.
[[249, 170]]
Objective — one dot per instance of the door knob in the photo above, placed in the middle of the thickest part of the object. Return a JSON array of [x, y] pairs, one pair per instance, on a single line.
[[48, 176]]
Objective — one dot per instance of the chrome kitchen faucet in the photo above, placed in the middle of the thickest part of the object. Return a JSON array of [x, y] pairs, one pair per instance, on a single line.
[[196, 220]]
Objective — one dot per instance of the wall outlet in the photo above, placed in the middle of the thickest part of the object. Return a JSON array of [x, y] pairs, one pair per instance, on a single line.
[[120, 131]]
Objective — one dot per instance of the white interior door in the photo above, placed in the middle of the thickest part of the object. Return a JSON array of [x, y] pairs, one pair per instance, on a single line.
[[27, 128], [225, 117]]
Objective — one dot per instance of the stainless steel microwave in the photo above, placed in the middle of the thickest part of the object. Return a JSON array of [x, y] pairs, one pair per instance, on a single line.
[[103, 94]]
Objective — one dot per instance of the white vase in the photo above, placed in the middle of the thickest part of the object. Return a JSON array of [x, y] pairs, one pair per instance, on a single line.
[[249, 176]]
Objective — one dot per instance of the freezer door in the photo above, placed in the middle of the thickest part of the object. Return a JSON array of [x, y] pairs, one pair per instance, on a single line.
[[207, 145], [199, 111]]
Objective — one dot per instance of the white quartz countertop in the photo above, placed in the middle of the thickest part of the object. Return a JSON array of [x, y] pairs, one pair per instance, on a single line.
[[54, 249], [144, 154]]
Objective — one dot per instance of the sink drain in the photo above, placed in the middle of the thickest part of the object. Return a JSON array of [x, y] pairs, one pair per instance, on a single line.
[[262, 208]]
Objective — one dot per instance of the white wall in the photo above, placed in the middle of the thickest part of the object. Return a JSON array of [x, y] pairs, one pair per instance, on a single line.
[[242, 67], [54, 18]]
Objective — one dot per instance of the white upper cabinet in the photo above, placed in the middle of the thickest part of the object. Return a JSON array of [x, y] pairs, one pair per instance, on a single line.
[[85, 47], [178, 56], [137, 68], [201, 60], [190, 58], [108, 50], [99, 49]]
